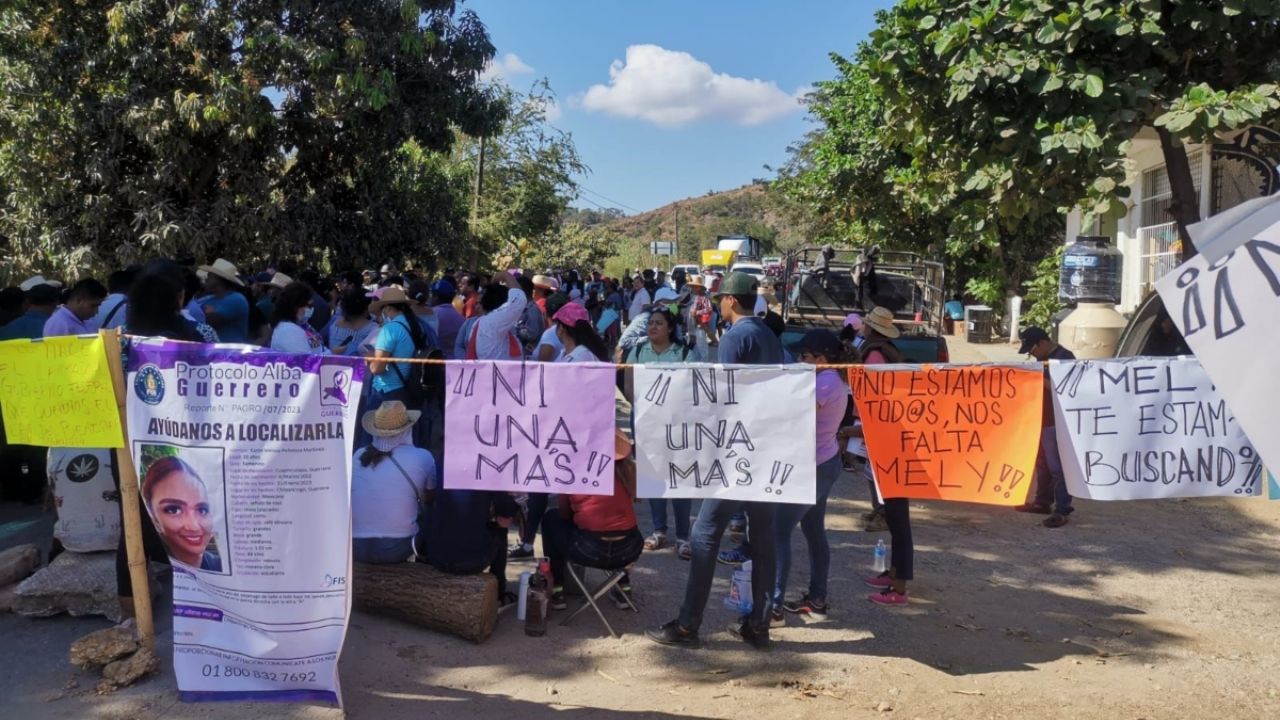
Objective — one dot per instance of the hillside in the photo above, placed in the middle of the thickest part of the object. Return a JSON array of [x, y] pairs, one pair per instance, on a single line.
[[747, 209]]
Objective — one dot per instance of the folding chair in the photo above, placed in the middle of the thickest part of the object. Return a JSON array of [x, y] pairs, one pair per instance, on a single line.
[[611, 580]]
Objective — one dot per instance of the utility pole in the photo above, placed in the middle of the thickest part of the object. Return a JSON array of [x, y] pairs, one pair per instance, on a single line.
[[475, 208], [675, 251]]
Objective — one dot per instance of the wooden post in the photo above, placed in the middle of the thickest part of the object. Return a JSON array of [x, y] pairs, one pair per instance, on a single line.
[[132, 529]]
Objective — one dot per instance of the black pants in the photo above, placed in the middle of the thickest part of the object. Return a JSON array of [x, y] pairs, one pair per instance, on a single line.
[[496, 560], [537, 508], [897, 515], [566, 542]]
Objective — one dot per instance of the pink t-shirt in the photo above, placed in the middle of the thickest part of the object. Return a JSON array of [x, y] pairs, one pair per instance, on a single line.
[[833, 397]]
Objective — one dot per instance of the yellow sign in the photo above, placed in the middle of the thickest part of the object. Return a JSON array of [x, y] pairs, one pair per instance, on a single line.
[[57, 392]]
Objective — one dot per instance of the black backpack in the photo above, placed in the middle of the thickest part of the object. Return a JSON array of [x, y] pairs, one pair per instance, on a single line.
[[420, 375]]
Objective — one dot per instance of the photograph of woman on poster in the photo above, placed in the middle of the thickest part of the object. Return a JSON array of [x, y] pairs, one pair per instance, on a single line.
[[178, 502]]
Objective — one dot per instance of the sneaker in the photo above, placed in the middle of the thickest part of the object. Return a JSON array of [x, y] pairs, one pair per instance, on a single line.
[[880, 582], [877, 523], [674, 635], [557, 601], [621, 597], [777, 619], [758, 639], [1033, 508], [684, 550], [734, 557], [520, 551], [888, 596], [1055, 520], [811, 609]]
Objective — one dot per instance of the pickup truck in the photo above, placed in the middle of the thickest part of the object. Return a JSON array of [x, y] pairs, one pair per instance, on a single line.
[[820, 292]]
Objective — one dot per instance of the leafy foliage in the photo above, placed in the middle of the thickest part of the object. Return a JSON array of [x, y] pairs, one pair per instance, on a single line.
[[1042, 290]]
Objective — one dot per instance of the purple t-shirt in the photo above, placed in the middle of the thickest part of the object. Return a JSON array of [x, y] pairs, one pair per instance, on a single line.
[[64, 322], [833, 397], [450, 323]]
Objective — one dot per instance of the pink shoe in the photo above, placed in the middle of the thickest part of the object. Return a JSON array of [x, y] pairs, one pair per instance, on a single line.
[[888, 597], [879, 582]]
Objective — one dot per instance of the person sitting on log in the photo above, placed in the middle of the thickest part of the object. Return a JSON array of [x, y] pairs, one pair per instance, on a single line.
[[389, 479], [466, 533]]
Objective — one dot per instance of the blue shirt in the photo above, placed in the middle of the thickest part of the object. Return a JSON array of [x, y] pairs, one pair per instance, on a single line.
[[394, 338], [750, 342], [954, 309], [232, 312], [27, 325]]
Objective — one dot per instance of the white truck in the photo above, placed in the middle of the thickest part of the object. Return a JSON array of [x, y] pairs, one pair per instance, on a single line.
[[744, 246]]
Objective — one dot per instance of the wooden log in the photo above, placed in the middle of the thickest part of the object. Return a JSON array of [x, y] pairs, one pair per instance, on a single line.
[[462, 605]]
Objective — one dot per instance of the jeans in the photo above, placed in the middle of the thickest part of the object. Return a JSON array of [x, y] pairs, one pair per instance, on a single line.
[[381, 550], [902, 551], [1051, 486], [680, 506], [708, 529], [567, 542], [813, 523]]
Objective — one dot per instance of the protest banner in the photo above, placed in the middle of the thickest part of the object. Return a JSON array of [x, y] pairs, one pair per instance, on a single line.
[[967, 434], [529, 427], [244, 462], [730, 432], [1227, 312], [1143, 428], [57, 392]]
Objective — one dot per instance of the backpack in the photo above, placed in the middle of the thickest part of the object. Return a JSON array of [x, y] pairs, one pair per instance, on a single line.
[[416, 380]]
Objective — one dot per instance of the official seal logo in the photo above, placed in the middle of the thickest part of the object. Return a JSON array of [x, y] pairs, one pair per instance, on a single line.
[[149, 385]]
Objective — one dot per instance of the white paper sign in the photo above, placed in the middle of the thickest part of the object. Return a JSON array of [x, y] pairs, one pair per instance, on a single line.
[[736, 432], [1144, 428], [244, 463], [1229, 312]]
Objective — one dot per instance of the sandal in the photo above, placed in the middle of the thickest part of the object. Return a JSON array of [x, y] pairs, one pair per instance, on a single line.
[[656, 541], [684, 550]]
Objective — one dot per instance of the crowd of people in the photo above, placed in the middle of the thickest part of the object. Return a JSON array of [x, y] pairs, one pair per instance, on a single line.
[[401, 510]]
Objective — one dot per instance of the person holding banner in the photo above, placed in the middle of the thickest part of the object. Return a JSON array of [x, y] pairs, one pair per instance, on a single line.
[[818, 347], [1052, 497], [747, 342], [877, 348]]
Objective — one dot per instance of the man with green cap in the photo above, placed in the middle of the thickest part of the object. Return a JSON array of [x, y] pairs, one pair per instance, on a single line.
[[747, 342]]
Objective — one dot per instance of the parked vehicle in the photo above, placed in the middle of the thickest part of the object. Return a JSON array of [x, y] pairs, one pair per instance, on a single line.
[[754, 269], [747, 247], [718, 260]]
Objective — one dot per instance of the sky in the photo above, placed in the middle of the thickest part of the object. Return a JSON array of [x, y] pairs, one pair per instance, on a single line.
[[670, 99]]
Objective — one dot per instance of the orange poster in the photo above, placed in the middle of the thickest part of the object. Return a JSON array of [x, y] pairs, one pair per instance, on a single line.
[[968, 434]]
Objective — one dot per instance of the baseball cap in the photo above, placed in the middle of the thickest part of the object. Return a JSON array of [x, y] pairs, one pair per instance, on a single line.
[[571, 314], [819, 341], [737, 283], [1030, 337]]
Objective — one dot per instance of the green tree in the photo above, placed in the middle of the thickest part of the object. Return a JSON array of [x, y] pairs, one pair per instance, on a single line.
[[240, 128], [575, 246], [1031, 105]]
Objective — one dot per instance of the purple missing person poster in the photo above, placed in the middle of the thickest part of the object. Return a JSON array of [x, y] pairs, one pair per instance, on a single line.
[[244, 464], [529, 427]]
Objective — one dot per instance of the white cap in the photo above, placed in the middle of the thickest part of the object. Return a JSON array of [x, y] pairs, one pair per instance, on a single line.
[[36, 281], [665, 293]]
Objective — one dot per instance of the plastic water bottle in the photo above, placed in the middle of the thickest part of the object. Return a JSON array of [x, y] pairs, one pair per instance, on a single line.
[[879, 564], [522, 599], [535, 618]]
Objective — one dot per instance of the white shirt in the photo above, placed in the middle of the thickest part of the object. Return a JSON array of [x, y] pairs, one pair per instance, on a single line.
[[382, 503], [762, 305], [290, 337], [494, 328], [578, 354], [638, 303], [549, 337], [109, 306]]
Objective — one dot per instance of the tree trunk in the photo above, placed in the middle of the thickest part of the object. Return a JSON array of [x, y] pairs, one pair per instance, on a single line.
[[1184, 206], [462, 605]]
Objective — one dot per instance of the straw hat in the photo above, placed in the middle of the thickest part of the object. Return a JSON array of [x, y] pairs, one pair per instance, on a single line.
[[389, 420], [37, 281], [546, 283], [881, 320], [392, 295], [280, 280], [695, 281], [223, 269]]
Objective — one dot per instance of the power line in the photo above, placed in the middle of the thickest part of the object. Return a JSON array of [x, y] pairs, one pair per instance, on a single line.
[[609, 199]]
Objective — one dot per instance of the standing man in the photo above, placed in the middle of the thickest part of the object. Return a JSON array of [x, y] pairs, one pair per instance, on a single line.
[[41, 300], [1052, 497], [226, 309], [112, 311], [75, 316], [641, 297], [493, 335], [748, 342], [442, 293], [469, 294]]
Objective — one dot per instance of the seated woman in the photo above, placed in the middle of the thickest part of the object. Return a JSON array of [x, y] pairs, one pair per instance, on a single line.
[[598, 531], [466, 534], [389, 478]]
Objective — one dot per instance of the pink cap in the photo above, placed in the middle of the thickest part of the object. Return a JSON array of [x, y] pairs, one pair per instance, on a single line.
[[572, 314], [853, 320]]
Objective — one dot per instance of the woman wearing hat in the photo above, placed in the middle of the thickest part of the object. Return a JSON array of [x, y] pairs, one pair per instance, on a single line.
[[290, 321], [877, 348], [702, 310], [400, 336], [574, 330], [389, 479], [226, 308]]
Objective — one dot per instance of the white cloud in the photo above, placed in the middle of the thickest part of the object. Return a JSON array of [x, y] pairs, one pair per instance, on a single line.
[[505, 67], [552, 109], [671, 88]]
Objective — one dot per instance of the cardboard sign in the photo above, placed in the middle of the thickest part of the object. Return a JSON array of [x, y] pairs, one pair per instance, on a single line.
[[57, 392], [1142, 428], [969, 434], [1227, 312], [735, 432], [529, 427]]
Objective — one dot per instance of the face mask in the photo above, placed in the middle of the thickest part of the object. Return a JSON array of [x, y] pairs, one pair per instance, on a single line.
[[306, 314], [385, 318]]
